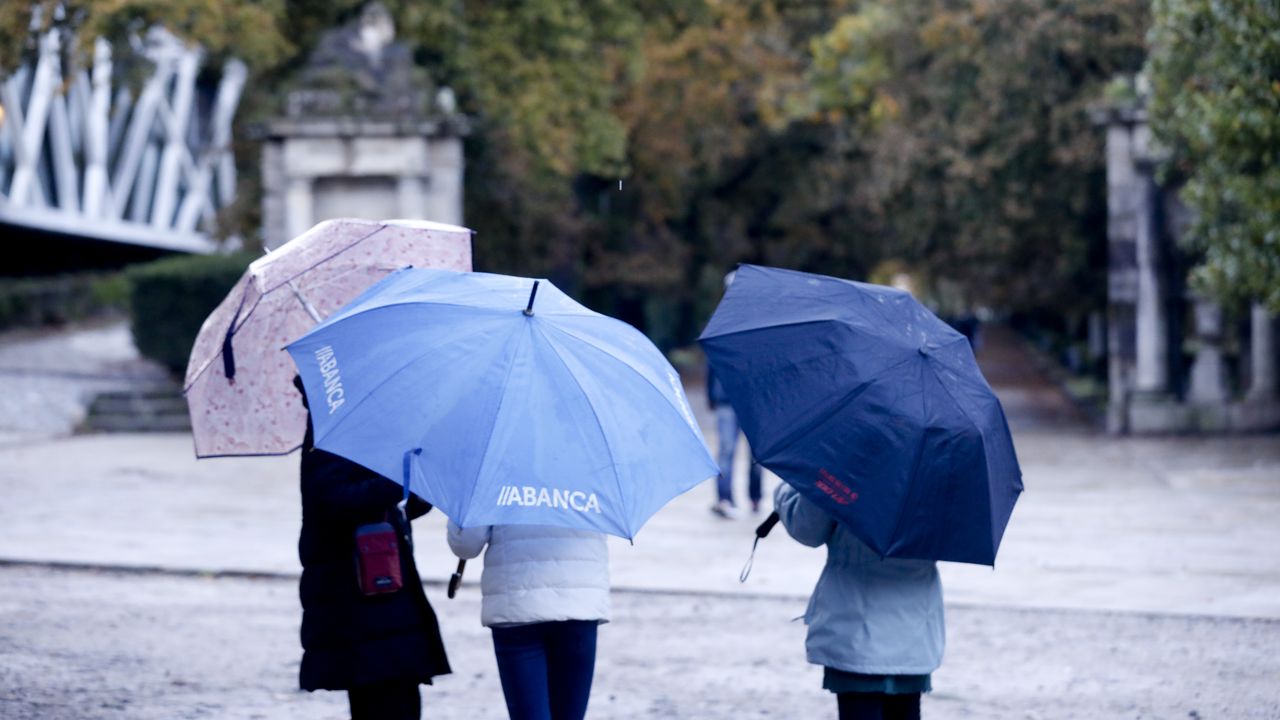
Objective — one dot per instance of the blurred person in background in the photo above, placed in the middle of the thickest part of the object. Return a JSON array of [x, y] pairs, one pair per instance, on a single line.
[[728, 433]]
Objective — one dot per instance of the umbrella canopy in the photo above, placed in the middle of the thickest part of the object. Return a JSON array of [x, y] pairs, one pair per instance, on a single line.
[[238, 384], [512, 408], [871, 406]]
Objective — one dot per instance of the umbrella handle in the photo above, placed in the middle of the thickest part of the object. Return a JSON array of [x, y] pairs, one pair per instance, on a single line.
[[456, 579], [761, 531]]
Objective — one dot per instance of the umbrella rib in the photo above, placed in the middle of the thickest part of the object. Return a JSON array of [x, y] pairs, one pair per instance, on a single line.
[[493, 423], [915, 468], [759, 328], [957, 403], [836, 407], [659, 389], [262, 295], [612, 460], [390, 376], [326, 259], [693, 424], [217, 355], [976, 426], [412, 301]]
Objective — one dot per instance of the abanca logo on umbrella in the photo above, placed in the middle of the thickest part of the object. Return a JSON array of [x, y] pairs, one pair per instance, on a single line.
[[555, 498], [333, 393]]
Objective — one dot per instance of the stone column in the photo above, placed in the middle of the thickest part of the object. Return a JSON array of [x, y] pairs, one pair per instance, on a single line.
[[1208, 374], [444, 193], [1262, 384], [410, 197], [299, 212], [1119, 373], [1097, 338], [275, 184], [1152, 372]]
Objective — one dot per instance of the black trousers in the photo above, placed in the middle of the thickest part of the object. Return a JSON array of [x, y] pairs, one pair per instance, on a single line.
[[385, 701], [878, 706]]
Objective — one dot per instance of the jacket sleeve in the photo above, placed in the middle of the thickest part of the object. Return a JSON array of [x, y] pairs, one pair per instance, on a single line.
[[468, 543], [804, 521]]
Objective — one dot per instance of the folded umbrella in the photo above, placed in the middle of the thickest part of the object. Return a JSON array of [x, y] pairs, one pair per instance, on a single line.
[[238, 385], [872, 407], [500, 400]]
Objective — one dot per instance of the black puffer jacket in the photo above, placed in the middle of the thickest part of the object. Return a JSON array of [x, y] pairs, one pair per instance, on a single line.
[[350, 639]]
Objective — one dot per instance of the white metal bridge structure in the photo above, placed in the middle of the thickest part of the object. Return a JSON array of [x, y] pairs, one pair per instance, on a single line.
[[82, 154]]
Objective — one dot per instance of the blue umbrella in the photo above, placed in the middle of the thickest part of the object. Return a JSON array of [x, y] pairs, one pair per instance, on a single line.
[[871, 406], [500, 400]]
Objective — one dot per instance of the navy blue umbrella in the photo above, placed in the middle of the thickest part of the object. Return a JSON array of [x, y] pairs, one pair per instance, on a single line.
[[868, 404]]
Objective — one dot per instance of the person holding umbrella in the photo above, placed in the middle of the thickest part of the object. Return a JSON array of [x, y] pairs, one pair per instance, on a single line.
[[875, 624], [535, 424], [895, 453], [378, 647], [545, 590], [372, 634]]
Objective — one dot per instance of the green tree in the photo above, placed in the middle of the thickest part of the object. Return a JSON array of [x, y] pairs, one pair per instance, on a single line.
[[985, 165], [252, 31], [722, 171], [1215, 77]]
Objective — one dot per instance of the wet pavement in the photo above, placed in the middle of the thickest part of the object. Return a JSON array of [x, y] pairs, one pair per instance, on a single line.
[[95, 645], [1137, 578]]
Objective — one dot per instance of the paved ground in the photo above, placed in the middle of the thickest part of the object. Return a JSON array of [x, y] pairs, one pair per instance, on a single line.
[[90, 645], [1138, 578]]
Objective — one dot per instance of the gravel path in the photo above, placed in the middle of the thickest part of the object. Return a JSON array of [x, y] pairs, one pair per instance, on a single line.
[[91, 644]]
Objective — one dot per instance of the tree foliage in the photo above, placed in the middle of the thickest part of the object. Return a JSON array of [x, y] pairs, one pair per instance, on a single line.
[[252, 31], [826, 135], [1215, 77], [987, 169]]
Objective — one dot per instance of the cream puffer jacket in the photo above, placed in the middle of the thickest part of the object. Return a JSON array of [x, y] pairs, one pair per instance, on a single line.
[[537, 574]]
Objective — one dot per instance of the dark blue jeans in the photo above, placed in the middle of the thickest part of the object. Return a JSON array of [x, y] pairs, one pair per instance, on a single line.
[[546, 668], [727, 429]]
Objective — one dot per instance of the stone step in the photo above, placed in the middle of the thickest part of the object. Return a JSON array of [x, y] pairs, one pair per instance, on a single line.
[[125, 403], [148, 408], [137, 423]]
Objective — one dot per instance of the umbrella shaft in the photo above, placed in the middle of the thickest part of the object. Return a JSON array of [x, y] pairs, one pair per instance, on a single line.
[[305, 305]]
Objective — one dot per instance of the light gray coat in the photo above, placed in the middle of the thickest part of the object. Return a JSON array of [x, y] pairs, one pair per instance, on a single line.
[[537, 574], [867, 614]]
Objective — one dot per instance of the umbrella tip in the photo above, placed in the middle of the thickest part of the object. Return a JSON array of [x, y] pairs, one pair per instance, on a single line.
[[528, 311]]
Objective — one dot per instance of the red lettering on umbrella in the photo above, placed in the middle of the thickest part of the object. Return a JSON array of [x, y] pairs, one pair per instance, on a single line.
[[839, 492]]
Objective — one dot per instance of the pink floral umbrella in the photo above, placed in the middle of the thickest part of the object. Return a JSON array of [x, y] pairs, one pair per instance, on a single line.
[[239, 379]]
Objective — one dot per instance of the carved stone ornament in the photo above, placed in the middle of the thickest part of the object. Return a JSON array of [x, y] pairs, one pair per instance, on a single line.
[[359, 69]]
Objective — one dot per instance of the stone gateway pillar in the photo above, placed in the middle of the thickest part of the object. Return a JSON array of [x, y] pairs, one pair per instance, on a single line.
[[1262, 385], [1152, 316], [364, 135]]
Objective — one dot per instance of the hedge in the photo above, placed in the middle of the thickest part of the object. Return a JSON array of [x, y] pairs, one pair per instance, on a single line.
[[41, 301], [171, 298]]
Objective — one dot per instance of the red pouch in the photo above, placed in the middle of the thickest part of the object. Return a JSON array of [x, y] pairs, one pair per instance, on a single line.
[[378, 559]]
